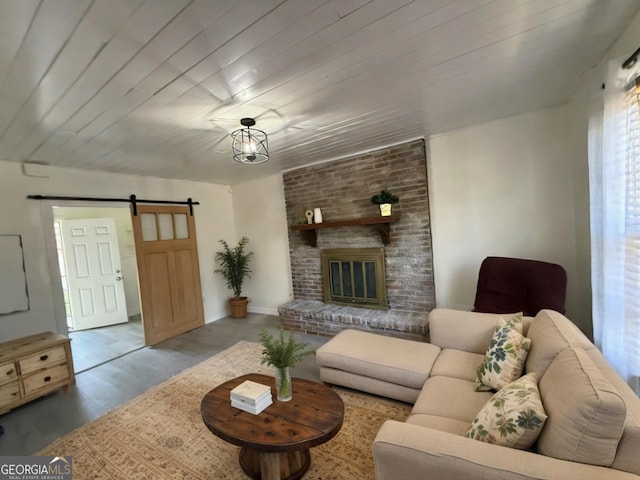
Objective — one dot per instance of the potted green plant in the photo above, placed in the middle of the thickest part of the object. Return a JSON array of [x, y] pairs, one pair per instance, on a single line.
[[384, 199], [234, 267], [282, 354]]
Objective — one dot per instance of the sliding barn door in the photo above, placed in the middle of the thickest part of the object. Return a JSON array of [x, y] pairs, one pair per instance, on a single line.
[[167, 257]]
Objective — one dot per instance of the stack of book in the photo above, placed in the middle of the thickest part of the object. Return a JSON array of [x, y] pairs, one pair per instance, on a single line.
[[251, 397]]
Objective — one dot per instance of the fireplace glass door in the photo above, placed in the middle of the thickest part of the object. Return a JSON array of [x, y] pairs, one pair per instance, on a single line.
[[354, 276]]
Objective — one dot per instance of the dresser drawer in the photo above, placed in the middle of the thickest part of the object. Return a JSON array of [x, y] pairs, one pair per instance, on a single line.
[[42, 359], [8, 372], [9, 393], [50, 376], [33, 366]]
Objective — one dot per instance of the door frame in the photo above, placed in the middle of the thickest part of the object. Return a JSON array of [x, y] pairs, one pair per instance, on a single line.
[[49, 235]]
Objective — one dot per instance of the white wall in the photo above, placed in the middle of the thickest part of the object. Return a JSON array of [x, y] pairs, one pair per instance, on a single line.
[[260, 215], [503, 188], [214, 219]]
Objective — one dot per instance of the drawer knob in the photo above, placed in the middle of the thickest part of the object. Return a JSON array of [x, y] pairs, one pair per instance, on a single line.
[[47, 378], [43, 358], [10, 372]]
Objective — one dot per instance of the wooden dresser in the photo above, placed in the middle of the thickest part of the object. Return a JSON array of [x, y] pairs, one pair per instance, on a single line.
[[34, 366]]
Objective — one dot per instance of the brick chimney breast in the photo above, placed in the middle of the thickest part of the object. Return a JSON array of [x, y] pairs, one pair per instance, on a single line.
[[342, 189]]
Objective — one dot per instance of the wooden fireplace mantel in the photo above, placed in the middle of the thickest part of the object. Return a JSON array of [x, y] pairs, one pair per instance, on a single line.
[[310, 230]]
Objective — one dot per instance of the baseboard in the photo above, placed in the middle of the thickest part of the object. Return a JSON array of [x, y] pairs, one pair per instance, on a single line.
[[263, 310], [216, 316]]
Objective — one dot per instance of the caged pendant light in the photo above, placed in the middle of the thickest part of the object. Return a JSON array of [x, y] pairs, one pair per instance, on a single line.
[[249, 145]]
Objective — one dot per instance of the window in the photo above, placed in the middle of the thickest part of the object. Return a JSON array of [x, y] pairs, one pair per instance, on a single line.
[[164, 226], [632, 227], [614, 176]]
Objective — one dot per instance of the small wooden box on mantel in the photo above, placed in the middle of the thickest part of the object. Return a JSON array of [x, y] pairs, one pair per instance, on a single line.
[[33, 366]]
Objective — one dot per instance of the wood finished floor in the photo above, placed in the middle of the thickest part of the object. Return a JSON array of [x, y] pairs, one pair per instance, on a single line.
[[99, 345], [104, 387]]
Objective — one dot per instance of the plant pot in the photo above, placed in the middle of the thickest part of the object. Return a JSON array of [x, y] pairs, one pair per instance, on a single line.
[[385, 209], [238, 307]]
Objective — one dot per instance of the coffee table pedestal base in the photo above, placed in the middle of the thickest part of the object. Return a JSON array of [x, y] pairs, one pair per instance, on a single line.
[[275, 465]]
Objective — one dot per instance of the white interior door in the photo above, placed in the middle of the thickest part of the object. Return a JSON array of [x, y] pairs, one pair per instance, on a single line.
[[94, 274]]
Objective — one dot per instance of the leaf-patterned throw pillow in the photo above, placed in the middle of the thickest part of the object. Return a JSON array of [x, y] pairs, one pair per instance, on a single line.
[[514, 322], [505, 358], [513, 417]]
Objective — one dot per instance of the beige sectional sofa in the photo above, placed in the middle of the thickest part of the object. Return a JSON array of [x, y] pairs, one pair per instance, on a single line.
[[593, 425]]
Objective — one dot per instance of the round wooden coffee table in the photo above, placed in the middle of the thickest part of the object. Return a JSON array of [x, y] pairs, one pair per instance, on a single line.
[[276, 442]]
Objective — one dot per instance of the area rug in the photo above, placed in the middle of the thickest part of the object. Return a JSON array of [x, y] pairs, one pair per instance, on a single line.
[[160, 434]]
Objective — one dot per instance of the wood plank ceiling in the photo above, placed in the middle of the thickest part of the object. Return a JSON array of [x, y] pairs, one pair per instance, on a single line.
[[154, 87]]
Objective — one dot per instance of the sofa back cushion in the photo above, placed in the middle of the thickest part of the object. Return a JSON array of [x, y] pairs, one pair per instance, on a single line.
[[551, 333], [586, 415], [466, 331]]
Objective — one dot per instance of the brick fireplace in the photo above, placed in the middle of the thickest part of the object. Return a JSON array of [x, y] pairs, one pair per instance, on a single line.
[[342, 190]]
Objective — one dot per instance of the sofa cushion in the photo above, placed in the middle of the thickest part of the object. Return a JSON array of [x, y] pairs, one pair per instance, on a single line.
[[586, 413], [504, 360], [389, 359], [513, 417], [551, 333], [450, 398], [442, 424], [457, 364], [334, 376], [445, 326]]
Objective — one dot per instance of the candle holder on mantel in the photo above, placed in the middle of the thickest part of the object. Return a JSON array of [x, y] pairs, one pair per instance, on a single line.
[[317, 215]]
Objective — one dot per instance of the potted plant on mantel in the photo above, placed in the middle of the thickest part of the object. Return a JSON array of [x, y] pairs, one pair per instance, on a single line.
[[282, 354], [384, 199], [234, 267]]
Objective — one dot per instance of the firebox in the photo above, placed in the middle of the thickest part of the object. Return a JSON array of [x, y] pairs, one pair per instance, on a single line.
[[355, 277]]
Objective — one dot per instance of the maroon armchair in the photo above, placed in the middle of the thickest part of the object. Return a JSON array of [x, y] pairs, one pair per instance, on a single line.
[[507, 285]]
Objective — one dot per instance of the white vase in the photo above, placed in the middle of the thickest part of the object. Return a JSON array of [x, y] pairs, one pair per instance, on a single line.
[[385, 209]]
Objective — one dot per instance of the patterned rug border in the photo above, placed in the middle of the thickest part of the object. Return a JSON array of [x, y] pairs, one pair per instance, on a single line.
[[160, 434]]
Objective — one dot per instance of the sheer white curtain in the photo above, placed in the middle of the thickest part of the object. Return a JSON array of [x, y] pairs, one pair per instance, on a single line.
[[614, 176]]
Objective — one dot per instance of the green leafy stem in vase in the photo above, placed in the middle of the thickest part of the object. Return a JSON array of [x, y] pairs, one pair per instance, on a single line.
[[282, 354], [279, 352]]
